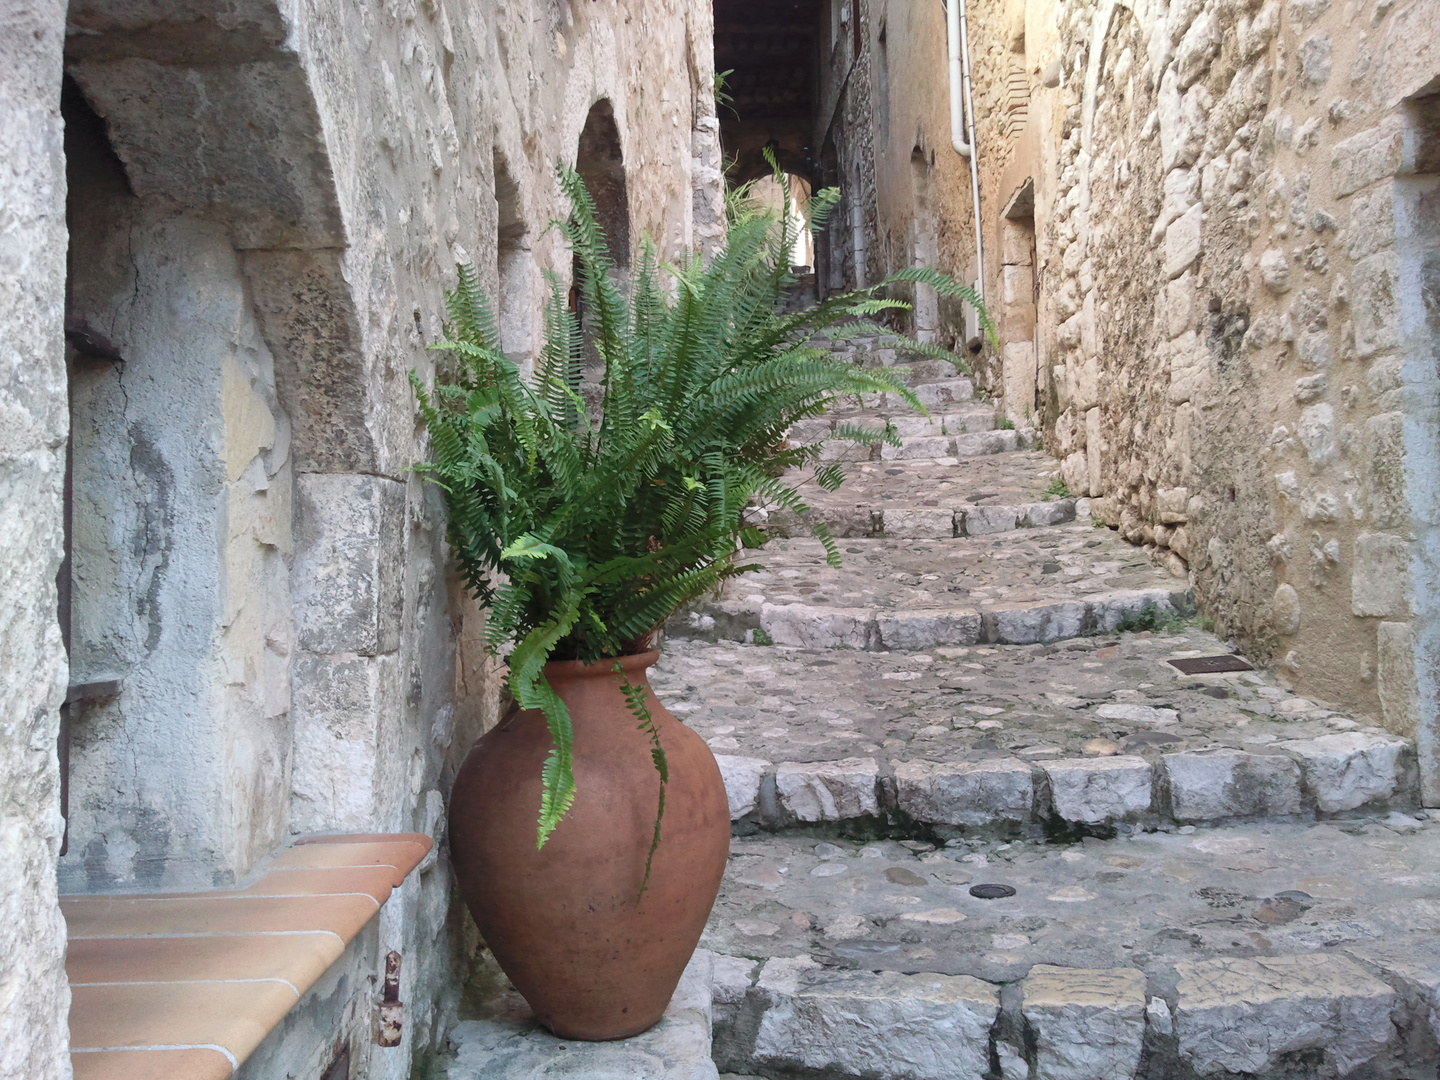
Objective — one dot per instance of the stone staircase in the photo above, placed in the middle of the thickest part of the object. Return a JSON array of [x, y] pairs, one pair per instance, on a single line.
[[984, 827]]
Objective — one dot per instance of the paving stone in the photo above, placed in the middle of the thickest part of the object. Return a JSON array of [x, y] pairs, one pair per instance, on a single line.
[[1099, 789], [828, 791], [816, 627], [742, 776], [1207, 785], [1241, 1014], [1350, 769], [965, 792], [924, 629], [509, 1044], [889, 1026], [1089, 1024]]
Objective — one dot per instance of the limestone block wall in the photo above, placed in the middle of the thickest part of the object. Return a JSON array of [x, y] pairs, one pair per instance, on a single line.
[[266, 204], [34, 997]]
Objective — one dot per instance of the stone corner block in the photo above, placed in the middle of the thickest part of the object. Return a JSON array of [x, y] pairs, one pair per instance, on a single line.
[[966, 792], [742, 776], [828, 790], [861, 1023], [1240, 1015], [1089, 1023], [1350, 769], [1208, 785], [926, 629], [1094, 790], [349, 563], [809, 627]]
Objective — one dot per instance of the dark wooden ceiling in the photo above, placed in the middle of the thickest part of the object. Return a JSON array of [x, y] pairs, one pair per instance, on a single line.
[[770, 48]]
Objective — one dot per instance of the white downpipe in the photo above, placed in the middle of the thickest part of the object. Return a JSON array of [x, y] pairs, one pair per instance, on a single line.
[[962, 106]]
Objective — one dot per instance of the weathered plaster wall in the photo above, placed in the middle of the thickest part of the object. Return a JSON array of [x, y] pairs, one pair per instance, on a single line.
[[271, 207], [34, 997], [1233, 349]]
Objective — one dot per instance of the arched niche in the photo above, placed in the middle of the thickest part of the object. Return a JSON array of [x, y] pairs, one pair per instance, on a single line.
[[600, 161]]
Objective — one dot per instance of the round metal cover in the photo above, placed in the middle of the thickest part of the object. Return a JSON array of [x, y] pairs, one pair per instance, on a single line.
[[991, 892]]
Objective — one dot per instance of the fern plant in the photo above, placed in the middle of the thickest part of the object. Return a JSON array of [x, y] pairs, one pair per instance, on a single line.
[[583, 532]]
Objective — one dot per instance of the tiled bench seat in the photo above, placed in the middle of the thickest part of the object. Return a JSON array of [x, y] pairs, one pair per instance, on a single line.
[[186, 985]]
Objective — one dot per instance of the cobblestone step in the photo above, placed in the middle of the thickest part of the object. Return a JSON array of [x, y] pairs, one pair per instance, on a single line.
[[1283, 950], [1093, 736], [1019, 587], [933, 500]]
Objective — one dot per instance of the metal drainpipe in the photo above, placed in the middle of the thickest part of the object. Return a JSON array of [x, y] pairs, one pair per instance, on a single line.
[[960, 88]]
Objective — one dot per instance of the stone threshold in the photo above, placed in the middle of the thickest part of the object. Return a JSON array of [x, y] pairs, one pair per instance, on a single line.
[[811, 626], [184, 986]]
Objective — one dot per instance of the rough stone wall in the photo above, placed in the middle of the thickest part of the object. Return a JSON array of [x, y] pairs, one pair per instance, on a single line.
[[1232, 345], [34, 997], [263, 223]]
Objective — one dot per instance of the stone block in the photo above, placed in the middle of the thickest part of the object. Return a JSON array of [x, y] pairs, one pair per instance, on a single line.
[[810, 430], [924, 629], [1075, 470], [810, 627], [919, 523], [1089, 1023], [1240, 1015], [1179, 304], [1285, 610], [1385, 494], [1372, 222], [859, 1023], [1094, 790], [677, 1048], [828, 791], [984, 520], [335, 715], [965, 792], [1189, 363], [349, 560], [1380, 581], [742, 776], [924, 448], [1369, 156], [1184, 238], [1018, 380], [1316, 432], [1375, 303], [1040, 515], [1208, 785], [1029, 623], [947, 392], [1350, 769], [1395, 678], [1108, 610], [1094, 444], [980, 443], [1172, 504]]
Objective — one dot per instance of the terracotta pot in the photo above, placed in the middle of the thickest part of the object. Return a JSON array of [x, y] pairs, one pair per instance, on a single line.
[[568, 924]]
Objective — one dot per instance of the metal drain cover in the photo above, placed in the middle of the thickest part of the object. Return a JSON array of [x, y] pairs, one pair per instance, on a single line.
[[991, 892], [1207, 665]]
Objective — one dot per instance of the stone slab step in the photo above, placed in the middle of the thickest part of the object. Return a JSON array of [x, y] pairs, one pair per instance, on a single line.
[[1017, 587], [506, 1042], [1025, 740], [1272, 951], [952, 420], [1024, 480], [917, 522]]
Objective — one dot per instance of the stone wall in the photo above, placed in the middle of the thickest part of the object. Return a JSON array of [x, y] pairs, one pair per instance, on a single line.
[[34, 997], [266, 204], [1230, 338]]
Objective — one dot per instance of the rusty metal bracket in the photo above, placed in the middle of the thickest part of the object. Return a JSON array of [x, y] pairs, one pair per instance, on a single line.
[[390, 1015]]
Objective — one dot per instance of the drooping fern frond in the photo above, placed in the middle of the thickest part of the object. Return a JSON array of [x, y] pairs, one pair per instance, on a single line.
[[584, 525]]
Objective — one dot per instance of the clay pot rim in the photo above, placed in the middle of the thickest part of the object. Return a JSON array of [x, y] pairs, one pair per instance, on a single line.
[[578, 669]]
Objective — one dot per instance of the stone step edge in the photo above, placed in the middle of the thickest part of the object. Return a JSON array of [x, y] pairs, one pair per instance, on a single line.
[[918, 522], [1215, 1016], [1302, 779], [923, 448], [810, 626]]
